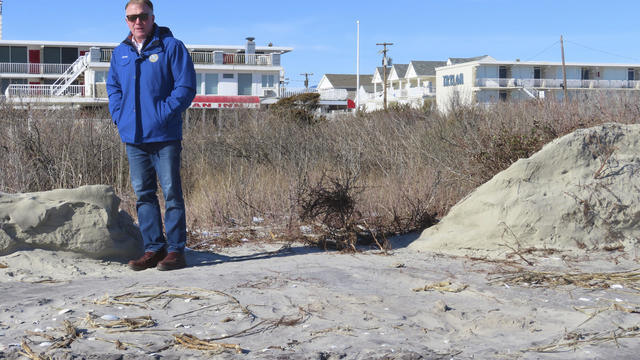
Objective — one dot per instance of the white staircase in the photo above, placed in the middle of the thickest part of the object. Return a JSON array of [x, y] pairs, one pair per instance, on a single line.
[[533, 93], [69, 76]]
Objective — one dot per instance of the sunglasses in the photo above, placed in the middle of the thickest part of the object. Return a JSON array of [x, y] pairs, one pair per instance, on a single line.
[[134, 18]]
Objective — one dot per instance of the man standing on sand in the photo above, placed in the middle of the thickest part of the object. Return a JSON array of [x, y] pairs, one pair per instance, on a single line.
[[151, 82]]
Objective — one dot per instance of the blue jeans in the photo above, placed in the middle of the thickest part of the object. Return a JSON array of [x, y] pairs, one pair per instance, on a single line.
[[161, 160]]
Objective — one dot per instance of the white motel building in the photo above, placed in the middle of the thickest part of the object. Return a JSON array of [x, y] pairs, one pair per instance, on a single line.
[[48, 72], [484, 80], [487, 80]]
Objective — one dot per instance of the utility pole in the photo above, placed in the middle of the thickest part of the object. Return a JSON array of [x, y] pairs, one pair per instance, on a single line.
[[564, 70], [385, 61], [306, 79]]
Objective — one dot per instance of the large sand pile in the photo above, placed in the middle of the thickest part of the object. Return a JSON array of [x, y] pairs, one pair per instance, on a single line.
[[84, 220], [581, 192]]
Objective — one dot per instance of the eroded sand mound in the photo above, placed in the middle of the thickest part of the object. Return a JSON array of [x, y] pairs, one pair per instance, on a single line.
[[84, 220], [580, 192]]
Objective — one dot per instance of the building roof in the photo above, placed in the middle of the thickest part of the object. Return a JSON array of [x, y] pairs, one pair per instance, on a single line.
[[262, 49], [454, 61], [401, 70], [378, 75], [426, 68], [488, 60], [347, 81], [368, 88]]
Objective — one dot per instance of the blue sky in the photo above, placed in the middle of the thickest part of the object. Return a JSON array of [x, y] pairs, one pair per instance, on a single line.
[[323, 33]]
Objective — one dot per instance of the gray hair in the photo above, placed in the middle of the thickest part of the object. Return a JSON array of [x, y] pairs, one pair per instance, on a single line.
[[145, 2]]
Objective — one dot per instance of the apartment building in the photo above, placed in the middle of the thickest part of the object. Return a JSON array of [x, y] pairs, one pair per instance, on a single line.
[[407, 84], [485, 80], [228, 76]]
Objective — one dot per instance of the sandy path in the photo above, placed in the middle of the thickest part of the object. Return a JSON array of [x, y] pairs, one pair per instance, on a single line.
[[309, 304]]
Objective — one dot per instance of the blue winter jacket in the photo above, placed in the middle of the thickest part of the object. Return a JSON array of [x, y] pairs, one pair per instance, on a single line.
[[149, 91]]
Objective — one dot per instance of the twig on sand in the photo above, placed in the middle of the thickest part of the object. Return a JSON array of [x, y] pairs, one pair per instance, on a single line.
[[202, 308], [584, 280], [446, 286], [128, 323], [120, 345], [192, 342], [575, 339], [70, 336], [217, 292], [30, 354], [516, 252], [373, 235]]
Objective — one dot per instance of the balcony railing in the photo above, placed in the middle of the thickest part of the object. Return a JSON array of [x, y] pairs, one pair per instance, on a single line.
[[105, 55], [557, 83], [35, 69], [202, 57], [209, 58], [19, 90], [419, 92], [247, 59]]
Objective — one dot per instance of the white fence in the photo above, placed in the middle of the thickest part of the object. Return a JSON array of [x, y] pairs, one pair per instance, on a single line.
[[329, 95], [22, 68], [557, 83], [19, 90]]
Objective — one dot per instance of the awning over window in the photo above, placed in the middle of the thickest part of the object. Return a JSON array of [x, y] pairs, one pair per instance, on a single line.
[[225, 102]]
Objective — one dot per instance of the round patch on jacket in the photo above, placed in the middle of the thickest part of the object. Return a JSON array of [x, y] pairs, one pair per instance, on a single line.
[[153, 58]]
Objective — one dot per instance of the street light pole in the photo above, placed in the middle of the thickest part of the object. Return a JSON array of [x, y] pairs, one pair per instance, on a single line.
[[358, 66]]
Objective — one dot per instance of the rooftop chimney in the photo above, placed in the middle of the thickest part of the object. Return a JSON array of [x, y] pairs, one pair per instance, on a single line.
[[251, 46]]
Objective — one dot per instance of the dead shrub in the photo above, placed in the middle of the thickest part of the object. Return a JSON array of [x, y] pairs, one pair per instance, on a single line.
[[300, 108], [332, 202]]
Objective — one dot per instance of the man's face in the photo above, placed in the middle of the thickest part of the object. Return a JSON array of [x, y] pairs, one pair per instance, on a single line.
[[141, 29]]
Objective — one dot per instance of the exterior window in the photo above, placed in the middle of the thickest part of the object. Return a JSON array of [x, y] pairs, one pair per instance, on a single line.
[[57, 55], [227, 76], [199, 84], [245, 84], [51, 55], [631, 75], [211, 84], [503, 96], [5, 54], [268, 81], [19, 54], [101, 77], [69, 55]]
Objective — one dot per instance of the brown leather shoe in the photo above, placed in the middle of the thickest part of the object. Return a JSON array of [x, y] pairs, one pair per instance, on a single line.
[[173, 261], [148, 260]]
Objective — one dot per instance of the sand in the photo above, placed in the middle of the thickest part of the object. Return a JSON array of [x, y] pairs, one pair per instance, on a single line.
[[580, 192], [305, 303]]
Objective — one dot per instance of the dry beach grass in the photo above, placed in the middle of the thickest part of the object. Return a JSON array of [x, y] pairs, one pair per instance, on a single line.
[[404, 168]]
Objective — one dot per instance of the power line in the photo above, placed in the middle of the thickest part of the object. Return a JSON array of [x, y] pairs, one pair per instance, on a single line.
[[602, 51], [543, 51]]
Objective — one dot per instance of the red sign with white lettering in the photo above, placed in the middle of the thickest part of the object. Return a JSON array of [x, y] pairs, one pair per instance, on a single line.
[[225, 102]]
